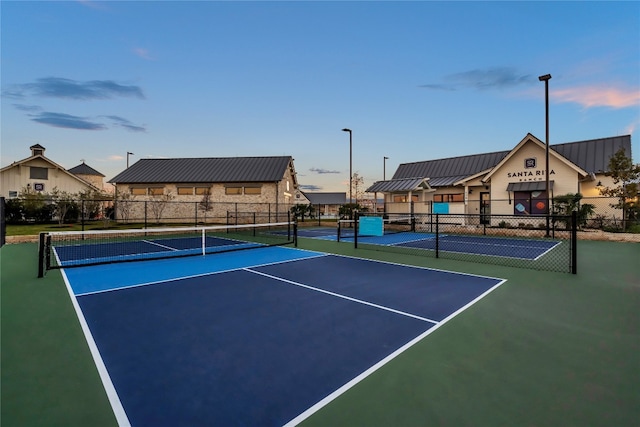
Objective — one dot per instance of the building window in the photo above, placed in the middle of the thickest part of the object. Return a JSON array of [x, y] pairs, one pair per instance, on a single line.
[[404, 198], [252, 190], [156, 191], [232, 190], [13, 194], [529, 202], [38, 173], [185, 191], [201, 191], [138, 191], [448, 198]]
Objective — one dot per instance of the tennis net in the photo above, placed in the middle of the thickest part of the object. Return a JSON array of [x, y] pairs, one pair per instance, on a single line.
[[391, 224], [80, 248]]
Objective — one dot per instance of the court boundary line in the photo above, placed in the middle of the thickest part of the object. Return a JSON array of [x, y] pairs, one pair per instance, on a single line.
[[348, 298], [353, 382], [110, 390]]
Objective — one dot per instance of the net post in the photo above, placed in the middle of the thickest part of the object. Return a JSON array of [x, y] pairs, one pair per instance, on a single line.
[[41, 257], [356, 218], [339, 229], [295, 234], [204, 242]]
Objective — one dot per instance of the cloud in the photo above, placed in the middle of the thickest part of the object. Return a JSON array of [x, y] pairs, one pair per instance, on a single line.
[[143, 53], [126, 124], [310, 187], [598, 96], [66, 121], [322, 171], [56, 87], [28, 108], [487, 78], [631, 128]]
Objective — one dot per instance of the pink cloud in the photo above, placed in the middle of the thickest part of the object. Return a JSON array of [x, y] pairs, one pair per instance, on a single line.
[[599, 96]]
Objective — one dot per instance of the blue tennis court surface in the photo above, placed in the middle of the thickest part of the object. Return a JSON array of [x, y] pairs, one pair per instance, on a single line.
[[255, 338], [528, 249]]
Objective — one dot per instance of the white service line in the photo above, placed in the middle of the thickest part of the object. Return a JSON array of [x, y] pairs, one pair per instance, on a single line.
[[381, 307]]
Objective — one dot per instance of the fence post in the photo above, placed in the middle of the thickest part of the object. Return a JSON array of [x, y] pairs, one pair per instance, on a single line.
[[437, 236], [574, 242]]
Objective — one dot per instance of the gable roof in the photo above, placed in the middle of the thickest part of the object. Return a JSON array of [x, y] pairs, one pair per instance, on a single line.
[[591, 156], [445, 172], [326, 198], [54, 166], [206, 170], [407, 184], [530, 139], [84, 169]]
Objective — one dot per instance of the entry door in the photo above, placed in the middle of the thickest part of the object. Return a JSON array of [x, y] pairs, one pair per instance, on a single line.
[[485, 208]]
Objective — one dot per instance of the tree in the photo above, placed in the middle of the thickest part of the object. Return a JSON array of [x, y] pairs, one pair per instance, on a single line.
[[300, 210], [205, 204], [347, 210], [565, 204], [358, 186], [93, 203], [124, 203], [626, 176], [157, 204], [63, 203], [34, 205]]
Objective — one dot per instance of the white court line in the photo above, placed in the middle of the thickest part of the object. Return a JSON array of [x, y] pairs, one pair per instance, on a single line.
[[112, 394], [341, 390], [359, 301], [151, 242]]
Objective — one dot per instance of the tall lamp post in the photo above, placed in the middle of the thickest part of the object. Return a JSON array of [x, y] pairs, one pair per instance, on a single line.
[[546, 79], [384, 168], [350, 162], [128, 154]]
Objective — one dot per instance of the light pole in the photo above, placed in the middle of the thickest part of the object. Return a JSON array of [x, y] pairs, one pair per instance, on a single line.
[[384, 168], [128, 154], [350, 163], [546, 79]]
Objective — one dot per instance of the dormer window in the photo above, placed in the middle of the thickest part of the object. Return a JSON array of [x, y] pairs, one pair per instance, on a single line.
[[37, 150]]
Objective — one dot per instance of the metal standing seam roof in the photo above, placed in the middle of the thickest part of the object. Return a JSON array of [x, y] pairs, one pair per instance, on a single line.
[[84, 169], [205, 170], [591, 155], [326, 198], [455, 167], [407, 184]]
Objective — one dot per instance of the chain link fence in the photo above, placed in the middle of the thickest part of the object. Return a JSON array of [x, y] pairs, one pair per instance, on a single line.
[[539, 243], [595, 213], [105, 213]]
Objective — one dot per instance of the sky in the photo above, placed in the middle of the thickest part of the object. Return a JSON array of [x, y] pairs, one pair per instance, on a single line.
[[91, 81]]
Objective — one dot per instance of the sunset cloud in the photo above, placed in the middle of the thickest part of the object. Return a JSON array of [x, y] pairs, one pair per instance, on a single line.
[[598, 96]]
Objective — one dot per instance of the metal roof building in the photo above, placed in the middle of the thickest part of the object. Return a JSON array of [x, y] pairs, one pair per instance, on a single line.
[[205, 170]]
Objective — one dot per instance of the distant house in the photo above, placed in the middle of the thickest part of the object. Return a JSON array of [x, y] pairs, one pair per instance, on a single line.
[[325, 204], [509, 182], [41, 174], [222, 184]]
